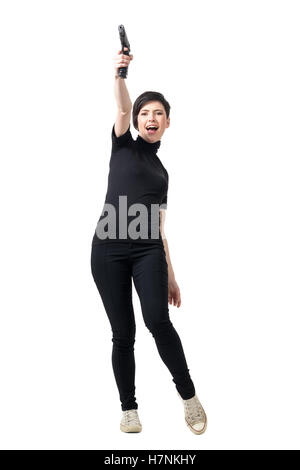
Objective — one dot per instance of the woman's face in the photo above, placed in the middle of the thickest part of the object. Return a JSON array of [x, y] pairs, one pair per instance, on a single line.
[[152, 113]]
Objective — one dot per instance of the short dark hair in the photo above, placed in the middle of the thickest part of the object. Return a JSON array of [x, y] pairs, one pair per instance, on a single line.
[[145, 98]]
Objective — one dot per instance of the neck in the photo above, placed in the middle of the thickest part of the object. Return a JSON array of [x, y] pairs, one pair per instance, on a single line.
[[150, 147]]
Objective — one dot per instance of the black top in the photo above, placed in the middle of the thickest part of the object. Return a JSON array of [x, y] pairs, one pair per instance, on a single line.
[[137, 189]]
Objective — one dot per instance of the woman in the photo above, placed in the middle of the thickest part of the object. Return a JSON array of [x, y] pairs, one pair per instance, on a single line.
[[126, 246]]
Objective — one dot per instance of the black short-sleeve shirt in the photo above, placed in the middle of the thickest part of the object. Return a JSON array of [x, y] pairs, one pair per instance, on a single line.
[[137, 190]]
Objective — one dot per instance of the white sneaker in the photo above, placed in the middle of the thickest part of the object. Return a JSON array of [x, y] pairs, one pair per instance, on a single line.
[[130, 421], [195, 415]]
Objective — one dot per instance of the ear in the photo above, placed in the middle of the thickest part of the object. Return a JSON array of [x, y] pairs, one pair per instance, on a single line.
[[168, 122]]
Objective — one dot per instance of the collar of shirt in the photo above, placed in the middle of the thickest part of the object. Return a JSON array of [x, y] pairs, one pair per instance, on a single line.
[[150, 147]]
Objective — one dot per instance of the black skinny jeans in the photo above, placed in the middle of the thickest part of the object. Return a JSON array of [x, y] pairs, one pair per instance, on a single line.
[[114, 264]]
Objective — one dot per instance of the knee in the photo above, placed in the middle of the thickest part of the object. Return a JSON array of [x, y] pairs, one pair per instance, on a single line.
[[124, 340], [160, 327]]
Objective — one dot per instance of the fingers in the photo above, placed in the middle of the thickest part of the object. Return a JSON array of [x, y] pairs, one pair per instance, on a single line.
[[125, 56], [175, 301], [178, 298], [122, 60]]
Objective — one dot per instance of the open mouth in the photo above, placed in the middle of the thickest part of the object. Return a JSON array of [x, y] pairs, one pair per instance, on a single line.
[[151, 129]]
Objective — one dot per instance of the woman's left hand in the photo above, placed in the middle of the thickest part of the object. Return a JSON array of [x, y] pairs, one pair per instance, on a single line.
[[174, 293]]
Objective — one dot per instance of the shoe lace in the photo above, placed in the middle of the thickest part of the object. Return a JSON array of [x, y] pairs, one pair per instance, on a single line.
[[131, 417], [194, 411]]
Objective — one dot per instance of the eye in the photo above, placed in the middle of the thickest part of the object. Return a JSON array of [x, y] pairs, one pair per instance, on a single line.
[[142, 114]]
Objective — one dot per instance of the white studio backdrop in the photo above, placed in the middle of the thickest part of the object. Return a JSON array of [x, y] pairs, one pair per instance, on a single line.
[[230, 70]]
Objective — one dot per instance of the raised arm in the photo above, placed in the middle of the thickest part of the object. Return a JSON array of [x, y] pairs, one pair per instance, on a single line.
[[122, 96]]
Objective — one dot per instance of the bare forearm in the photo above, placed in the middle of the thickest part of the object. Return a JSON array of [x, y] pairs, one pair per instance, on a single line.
[[122, 96], [170, 267]]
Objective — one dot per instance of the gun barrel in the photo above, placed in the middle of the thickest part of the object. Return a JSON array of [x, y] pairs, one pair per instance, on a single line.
[[123, 37]]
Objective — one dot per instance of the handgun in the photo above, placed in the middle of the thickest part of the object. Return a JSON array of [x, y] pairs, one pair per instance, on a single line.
[[124, 43]]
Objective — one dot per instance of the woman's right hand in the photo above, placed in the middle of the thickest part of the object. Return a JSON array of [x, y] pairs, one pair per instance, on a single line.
[[122, 60]]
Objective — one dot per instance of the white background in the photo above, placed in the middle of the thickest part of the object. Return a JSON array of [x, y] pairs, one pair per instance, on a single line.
[[230, 70]]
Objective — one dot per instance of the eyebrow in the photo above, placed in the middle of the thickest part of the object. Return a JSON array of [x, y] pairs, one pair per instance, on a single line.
[[159, 109]]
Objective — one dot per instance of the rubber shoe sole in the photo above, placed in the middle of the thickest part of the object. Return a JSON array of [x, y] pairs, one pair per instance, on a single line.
[[194, 430]]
